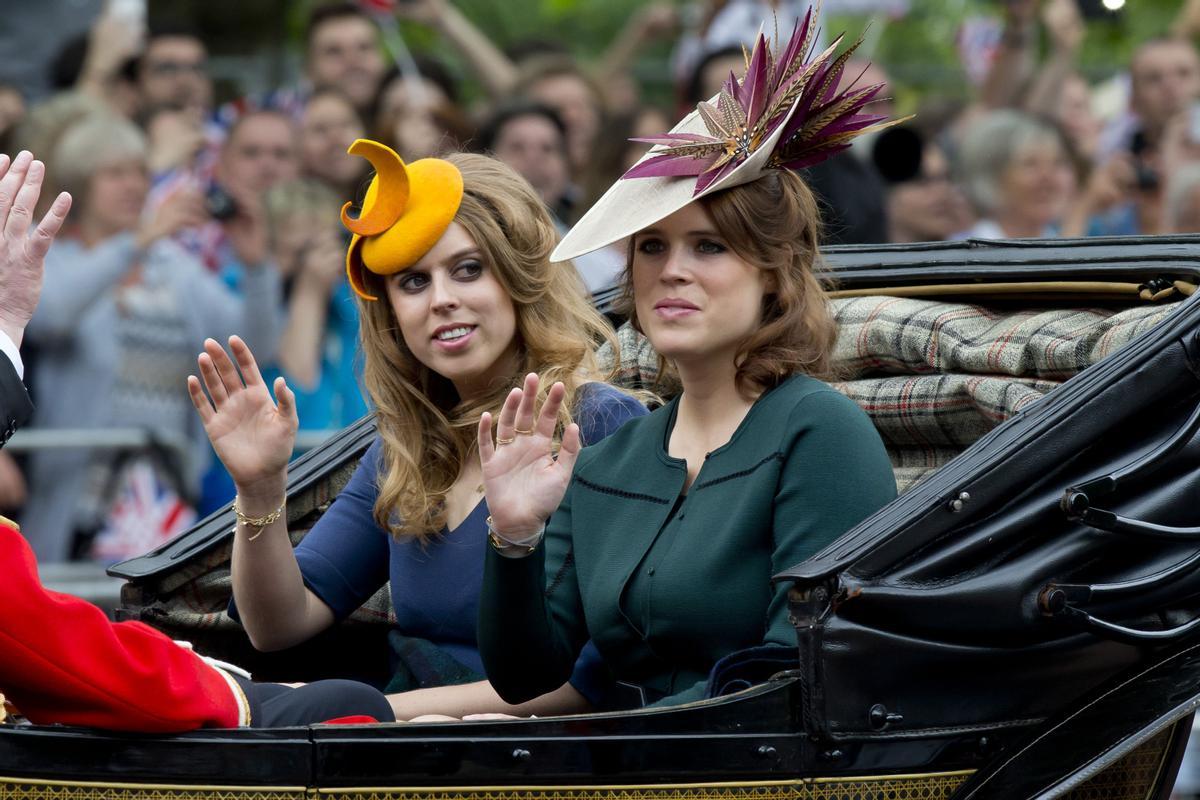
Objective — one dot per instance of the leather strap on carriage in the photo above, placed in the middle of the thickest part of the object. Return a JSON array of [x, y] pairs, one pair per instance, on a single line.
[[1153, 291]]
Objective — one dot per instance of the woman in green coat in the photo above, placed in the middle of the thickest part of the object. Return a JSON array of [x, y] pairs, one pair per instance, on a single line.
[[659, 543]]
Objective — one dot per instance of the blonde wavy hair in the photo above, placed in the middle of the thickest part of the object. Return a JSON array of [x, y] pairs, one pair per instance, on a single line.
[[773, 223], [428, 432]]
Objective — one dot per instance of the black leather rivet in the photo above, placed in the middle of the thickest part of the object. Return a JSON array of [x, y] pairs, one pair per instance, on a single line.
[[1052, 601], [521, 755], [880, 718], [1075, 503]]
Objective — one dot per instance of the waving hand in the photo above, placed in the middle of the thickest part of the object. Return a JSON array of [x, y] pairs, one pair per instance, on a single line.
[[523, 481], [22, 253], [250, 434]]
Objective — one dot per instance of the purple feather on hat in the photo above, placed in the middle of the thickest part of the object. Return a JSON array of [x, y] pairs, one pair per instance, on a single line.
[[794, 90]]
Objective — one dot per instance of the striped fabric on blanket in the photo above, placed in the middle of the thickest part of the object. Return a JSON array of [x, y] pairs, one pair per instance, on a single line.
[[936, 376], [925, 420], [897, 335]]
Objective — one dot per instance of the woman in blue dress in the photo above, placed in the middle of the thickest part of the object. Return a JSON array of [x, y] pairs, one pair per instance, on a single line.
[[457, 298]]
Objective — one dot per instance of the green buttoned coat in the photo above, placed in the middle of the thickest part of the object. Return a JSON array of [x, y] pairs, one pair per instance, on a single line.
[[666, 584]]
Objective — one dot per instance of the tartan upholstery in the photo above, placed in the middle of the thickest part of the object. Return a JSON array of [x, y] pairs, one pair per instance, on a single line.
[[935, 376], [895, 335]]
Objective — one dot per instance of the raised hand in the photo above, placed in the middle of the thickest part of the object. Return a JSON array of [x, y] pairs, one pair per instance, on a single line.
[[22, 254], [522, 480], [184, 208], [323, 260], [250, 434], [655, 21], [112, 41], [1177, 149], [247, 230], [175, 138], [426, 12]]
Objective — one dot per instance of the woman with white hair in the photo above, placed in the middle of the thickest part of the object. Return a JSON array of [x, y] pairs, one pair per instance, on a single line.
[[1017, 172], [123, 310]]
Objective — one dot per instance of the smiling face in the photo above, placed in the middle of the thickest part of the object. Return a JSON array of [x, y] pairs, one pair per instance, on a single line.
[[328, 127], [1037, 184], [343, 53], [408, 115], [259, 153], [577, 105], [455, 316], [696, 300], [1164, 80], [925, 208], [534, 147], [173, 73], [116, 195]]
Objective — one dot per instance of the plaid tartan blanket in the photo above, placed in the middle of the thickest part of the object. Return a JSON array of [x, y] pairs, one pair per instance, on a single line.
[[935, 376]]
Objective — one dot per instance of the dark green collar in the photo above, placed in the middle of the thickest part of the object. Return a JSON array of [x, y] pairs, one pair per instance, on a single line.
[[634, 461], [667, 423]]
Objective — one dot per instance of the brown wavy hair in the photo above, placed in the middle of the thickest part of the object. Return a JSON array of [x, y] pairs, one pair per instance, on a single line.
[[773, 223], [428, 432]]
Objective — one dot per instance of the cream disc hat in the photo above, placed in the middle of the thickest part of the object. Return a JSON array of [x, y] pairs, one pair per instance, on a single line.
[[784, 113]]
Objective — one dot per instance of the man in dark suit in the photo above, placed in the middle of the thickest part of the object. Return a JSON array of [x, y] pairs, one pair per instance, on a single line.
[[22, 253]]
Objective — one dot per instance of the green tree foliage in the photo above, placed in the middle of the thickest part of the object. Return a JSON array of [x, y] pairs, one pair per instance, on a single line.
[[918, 49]]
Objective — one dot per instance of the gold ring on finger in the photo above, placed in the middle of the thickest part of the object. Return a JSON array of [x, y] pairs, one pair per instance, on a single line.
[[509, 440], [520, 432]]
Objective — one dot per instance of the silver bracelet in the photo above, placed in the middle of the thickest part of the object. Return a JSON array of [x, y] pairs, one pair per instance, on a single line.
[[506, 547]]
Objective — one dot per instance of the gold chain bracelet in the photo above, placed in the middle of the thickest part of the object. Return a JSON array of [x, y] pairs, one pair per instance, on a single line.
[[257, 522]]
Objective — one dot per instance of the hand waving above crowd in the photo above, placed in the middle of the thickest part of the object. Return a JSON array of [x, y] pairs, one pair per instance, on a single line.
[[22, 253]]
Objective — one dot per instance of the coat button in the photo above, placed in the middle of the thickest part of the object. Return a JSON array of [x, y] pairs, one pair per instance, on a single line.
[[650, 571]]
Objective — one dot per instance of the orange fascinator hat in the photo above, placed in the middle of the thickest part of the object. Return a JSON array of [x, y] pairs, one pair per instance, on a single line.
[[406, 210]]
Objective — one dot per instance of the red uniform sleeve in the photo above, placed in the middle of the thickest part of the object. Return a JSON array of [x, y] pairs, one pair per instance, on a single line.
[[63, 661]]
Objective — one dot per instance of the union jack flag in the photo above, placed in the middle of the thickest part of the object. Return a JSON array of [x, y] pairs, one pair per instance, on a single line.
[[146, 511], [977, 42]]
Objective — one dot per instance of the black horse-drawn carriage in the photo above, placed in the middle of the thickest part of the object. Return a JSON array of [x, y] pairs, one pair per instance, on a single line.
[[1021, 622]]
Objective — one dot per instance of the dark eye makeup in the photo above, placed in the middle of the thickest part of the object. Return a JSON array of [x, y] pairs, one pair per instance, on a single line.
[[469, 269], [413, 280], [650, 245], [654, 246]]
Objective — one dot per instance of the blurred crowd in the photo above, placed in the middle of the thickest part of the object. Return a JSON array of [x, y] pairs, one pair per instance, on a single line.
[[195, 219]]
